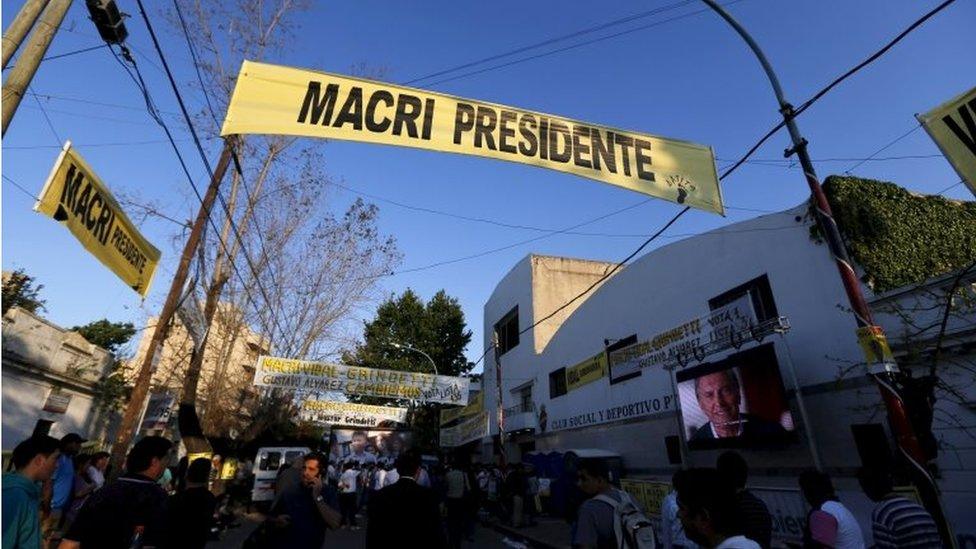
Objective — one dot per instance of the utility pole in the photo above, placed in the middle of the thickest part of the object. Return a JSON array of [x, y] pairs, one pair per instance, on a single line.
[[20, 26], [141, 389], [890, 377], [498, 394], [23, 72]]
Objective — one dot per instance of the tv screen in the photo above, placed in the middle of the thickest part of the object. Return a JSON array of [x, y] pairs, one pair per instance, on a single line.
[[736, 402]]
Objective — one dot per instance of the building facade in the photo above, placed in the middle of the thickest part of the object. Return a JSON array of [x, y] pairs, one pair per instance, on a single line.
[[226, 396], [49, 381], [561, 390]]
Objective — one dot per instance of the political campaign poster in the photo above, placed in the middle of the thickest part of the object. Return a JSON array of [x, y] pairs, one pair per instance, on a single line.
[[739, 401], [74, 196], [467, 431], [368, 446], [683, 343], [587, 371], [331, 412], [476, 404], [952, 125], [288, 373], [158, 411], [273, 99]]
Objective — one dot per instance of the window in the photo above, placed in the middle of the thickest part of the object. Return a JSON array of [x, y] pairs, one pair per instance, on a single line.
[[525, 399], [270, 461], [760, 292], [508, 331], [557, 383]]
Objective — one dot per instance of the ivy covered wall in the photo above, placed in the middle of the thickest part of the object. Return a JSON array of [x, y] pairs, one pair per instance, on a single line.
[[900, 238]]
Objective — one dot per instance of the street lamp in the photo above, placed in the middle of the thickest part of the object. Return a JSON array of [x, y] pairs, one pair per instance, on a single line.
[[886, 380], [396, 345]]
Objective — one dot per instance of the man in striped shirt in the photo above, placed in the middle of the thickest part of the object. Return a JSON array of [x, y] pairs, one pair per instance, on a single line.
[[896, 520]]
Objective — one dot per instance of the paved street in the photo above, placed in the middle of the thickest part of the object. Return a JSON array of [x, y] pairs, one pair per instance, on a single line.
[[484, 538]]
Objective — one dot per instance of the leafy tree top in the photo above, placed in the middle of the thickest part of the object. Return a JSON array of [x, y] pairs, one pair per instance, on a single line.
[[22, 290], [110, 336], [898, 237]]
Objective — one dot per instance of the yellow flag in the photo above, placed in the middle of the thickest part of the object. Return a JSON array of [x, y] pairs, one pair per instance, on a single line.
[[272, 99], [74, 196], [952, 125]]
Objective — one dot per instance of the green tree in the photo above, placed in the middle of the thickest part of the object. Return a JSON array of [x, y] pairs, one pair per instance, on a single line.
[[437, 328], [22, 290], [107, 335], [110, 389]]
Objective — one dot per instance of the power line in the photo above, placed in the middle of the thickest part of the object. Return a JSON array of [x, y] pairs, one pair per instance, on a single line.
[[196, 62], [94, 145], [31, 195], [206, 162], [884, 148], [738, 163], [75, 52], [47, 118], [573, 46], [884, 49], [950, 187], [554, 40]]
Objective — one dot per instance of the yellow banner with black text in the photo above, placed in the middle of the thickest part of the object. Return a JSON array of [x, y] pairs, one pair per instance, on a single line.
[[75, 197], [273, 99]]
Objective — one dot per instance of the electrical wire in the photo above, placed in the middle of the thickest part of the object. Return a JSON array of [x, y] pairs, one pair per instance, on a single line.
[[47, 118], [554, 40], [883, 148], [206, 162], [574, 46]]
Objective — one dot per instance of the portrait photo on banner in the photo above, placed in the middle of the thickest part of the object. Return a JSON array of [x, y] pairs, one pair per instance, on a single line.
[[368, 446], [739, 402]]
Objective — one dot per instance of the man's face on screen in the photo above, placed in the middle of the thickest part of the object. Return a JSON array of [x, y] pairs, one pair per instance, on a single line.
[[718, 397]]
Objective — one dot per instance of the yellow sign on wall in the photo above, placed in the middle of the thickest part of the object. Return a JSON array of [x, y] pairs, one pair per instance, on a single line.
[[476, 405], [952, 125], [271, 99], [74, 196], [588, 371]]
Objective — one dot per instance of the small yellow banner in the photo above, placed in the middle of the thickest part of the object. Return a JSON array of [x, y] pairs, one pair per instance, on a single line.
[[74, 196], [476, 405], [952, 125], [271, 99], [875, 346], [588, 371]]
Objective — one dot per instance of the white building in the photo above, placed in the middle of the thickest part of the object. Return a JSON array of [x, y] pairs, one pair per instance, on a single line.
[[49, 377], [773, 261]]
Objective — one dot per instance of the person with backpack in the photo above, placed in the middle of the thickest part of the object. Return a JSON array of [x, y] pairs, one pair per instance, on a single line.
[[610, 518]]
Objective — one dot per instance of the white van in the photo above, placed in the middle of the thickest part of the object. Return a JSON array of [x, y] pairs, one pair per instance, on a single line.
[[267, 462]]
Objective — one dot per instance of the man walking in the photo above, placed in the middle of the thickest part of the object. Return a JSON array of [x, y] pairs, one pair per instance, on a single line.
[[301, 512], [595, 521], [347, 494], [753, 516], [191, 511], [456, 502], [130, 511], [706, 506], [896, 521], [405, 508], [62, 485], [34, 461]]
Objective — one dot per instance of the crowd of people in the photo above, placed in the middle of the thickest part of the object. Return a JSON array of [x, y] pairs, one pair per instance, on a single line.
[[58, 497]]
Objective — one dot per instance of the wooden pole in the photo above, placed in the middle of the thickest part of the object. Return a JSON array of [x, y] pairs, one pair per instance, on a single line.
[[23, 72], [20, 26], [128, 427]]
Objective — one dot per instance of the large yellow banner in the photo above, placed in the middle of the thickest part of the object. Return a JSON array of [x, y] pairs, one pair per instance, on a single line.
[[272, 99], [588, 371], [74, 196], [952, 126]]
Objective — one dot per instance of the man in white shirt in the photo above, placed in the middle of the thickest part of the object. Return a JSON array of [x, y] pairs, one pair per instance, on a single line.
[[96, 471], [706, 506], [347, 495], [392, 476]]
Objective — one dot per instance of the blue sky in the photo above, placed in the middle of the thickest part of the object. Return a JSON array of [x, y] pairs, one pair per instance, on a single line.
[[691, 78]]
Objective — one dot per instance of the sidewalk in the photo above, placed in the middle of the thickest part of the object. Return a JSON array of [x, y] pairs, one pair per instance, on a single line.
[[548, 533]]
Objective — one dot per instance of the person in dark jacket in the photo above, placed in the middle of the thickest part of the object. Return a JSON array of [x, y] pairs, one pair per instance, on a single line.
[[405, 508], [130, 511], [752, 514], [191, 512]]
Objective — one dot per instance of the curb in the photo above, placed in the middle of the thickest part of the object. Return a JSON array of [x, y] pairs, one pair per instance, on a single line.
[[520, 535]]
